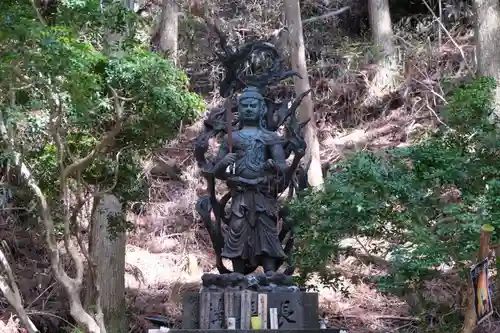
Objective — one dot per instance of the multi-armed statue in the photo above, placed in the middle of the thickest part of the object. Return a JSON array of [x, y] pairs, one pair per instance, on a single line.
[[252, 160]]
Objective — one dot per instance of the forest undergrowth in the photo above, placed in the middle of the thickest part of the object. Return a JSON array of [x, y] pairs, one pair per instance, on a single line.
[[169, 250]]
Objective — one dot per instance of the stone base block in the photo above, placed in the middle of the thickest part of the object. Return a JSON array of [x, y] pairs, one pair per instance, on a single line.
[[328, 330], [296, 310]]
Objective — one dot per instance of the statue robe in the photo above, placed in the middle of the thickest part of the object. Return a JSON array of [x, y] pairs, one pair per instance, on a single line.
[[254, 210]]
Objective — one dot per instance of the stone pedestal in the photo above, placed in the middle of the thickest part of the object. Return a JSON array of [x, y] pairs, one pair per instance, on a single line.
[[209, 309], [315, 330]]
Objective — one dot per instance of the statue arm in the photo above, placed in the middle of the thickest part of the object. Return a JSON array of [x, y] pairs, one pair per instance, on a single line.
[[278, 155], [219, 166]]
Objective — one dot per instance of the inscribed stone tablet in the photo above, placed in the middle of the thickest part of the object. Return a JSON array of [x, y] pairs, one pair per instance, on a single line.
[[190, 310], [228, 305], [204, 309], [310, 310], [237, 308], [290, 309], [263, 313], [216, 312], [246, 309], [254, 305]]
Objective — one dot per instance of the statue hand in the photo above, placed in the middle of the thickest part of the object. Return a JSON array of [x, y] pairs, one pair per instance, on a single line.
[[230, 158], [270, 165], [300, 152]]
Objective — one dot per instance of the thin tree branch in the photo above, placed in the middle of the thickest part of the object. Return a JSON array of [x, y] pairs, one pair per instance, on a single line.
[[103, 143], [10, 290], [38, 14], [55, 122], [469, 68], [325, 16], [115, 177]]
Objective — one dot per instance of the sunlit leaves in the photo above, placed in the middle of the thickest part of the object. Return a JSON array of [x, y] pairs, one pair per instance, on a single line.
[[58, 75], [428, 201]]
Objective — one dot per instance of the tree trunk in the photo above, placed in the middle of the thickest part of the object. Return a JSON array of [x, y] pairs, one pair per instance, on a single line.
[[107, 251], [129, 4], [165, 38], [306, 108], [113, 40], [487, 34], [382, 38]]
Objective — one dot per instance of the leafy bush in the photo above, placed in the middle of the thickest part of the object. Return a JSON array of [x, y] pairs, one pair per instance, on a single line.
[[67, 76], [82, 103], [427, 201]]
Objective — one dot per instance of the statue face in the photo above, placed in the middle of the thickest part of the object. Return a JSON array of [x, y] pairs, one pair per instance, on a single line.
[[249, 109]]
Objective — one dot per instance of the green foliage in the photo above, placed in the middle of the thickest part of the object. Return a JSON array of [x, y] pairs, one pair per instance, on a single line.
[[427, 201], [58, 75]]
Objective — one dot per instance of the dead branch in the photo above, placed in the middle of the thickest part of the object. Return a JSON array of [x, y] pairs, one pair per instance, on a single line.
[[10, 290], [361, 138], [327, 15], [382, 317], [438, 20]]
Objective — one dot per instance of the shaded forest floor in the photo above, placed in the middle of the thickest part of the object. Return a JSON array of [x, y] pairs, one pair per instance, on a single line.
[[169, 251]]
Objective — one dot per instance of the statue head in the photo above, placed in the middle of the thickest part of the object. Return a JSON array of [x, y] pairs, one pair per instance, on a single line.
[[251, 106]]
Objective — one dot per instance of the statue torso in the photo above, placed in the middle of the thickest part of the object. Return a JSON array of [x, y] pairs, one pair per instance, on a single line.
[[250, 145]]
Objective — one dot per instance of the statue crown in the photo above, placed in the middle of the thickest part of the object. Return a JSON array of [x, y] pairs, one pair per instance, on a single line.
[[250, 92]]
